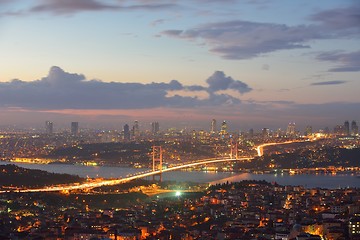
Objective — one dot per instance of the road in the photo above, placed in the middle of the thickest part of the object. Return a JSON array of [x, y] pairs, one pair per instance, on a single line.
[[260, 148]]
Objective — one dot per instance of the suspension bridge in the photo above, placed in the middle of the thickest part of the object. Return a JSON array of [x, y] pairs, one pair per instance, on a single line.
[[157, 169]]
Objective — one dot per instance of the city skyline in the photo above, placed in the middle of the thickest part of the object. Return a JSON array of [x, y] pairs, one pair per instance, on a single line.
[[134, 130], [254, 64]]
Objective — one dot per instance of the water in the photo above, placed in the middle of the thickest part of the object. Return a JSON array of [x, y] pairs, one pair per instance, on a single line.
[[82, 171], [306, 180]]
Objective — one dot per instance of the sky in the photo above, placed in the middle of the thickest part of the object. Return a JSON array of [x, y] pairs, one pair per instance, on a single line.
[[253, 63]]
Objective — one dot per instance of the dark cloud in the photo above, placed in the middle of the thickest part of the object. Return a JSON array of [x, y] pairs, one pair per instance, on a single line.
[[222, 99], [336, 82], [62, 90], [196, 88], [243, 39], [218, 81], [173, 33], [349, 62], [149, 6], [343, 19], [71, 6]]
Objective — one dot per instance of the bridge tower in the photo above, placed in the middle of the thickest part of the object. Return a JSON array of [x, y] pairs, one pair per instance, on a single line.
[[234, 149], [157, 159]]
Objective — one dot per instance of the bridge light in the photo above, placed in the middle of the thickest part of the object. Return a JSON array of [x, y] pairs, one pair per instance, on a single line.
[[178, 194]]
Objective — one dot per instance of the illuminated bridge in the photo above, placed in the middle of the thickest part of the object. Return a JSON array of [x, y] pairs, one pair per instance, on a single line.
[[109, 182], [157, 169]]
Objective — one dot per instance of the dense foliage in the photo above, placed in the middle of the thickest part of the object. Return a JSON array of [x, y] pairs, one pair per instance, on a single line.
[[12, 175]]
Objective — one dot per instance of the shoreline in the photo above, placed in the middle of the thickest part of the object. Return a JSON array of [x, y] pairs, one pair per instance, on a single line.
[[289, 172]]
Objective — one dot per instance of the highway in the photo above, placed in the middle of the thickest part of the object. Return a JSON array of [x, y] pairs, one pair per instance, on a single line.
[[260, 148]]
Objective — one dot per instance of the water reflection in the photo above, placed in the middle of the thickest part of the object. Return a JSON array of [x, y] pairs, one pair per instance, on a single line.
[[306, 180]]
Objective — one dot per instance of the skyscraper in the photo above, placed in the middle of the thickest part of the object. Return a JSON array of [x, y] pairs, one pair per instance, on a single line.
[[155, 127], [251, 133], [75, 128], [347, 128], [136, 129], [224, 127], [126, 132], [339, 129], [354, 128], [213, 126], [49, 127], [265, 132], [290, 131], [308, 130]]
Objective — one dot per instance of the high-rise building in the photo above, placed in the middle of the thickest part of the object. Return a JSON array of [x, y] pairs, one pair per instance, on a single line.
[[75, 128], [265, 132], [279, 133], [326, 130], [136, 129], [354, 128], [308, 130], [126, 132], [155, 127], [224, 127], [213, 126], [290, 131], [251, 133], [354, 227], [49, 127], [347, 128], [339, 129]]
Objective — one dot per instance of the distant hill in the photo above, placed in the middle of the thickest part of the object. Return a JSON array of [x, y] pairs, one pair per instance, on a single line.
[[14, 176]]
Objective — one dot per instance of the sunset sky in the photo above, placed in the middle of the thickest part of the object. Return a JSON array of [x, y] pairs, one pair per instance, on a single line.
[[253, 63]]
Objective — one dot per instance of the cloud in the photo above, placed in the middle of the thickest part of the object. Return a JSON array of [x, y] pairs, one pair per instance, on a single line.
[[244, 39], [342, 19], [149, 6], [218, 81], [195, 88], [240, 39], [335, 82], [59, 7], [70, 96], [70, 6], [157, 22], [349, 62], [62, 90]]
